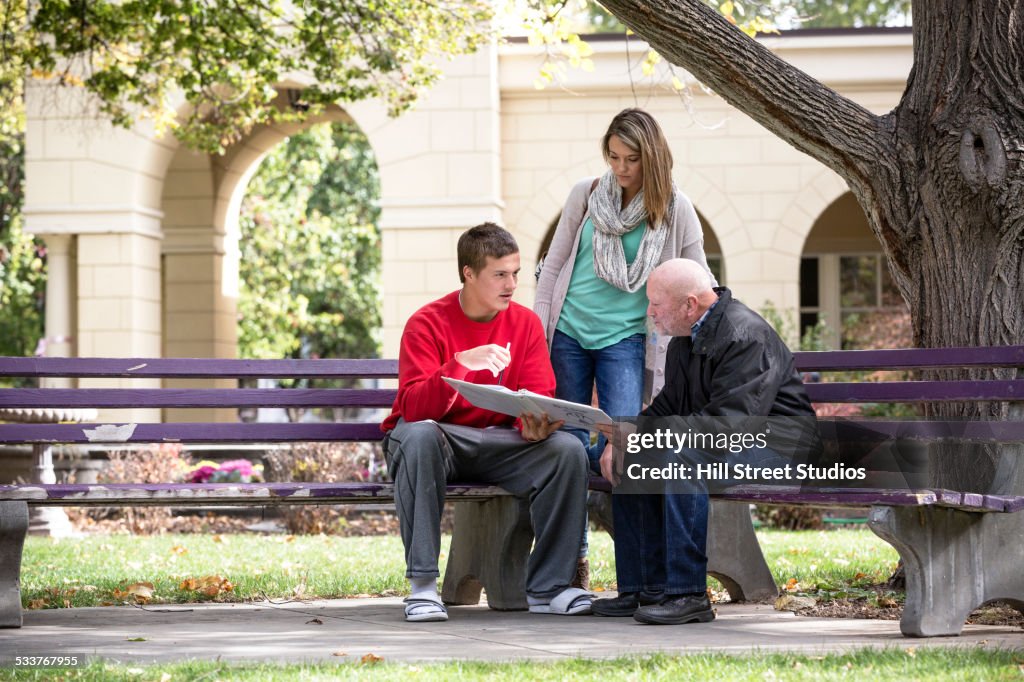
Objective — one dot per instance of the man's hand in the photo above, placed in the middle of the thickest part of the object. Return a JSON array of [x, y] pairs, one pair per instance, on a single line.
[[612, 455], [537, 427], [617, 433], [491, 357], [608, 464]]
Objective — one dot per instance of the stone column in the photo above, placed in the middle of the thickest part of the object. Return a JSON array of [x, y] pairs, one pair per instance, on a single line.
[[58, 341], [440, 170]]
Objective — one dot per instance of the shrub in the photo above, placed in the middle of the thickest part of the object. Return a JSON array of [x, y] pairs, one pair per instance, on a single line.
[[321, 463], [164, 463]]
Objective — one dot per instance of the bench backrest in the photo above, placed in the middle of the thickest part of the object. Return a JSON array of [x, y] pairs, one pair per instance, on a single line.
[[192, 368], [985, 389]]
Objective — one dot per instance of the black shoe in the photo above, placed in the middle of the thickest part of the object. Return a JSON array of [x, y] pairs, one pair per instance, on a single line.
[[677, 610], [625, 604]]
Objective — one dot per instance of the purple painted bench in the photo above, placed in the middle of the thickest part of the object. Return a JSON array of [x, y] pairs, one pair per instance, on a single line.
[[946, 535]]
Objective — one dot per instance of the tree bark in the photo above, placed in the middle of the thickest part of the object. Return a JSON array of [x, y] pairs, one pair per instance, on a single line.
[[939, 177]]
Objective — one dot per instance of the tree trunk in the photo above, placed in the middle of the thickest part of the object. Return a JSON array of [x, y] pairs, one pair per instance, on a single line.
[[939, 178]]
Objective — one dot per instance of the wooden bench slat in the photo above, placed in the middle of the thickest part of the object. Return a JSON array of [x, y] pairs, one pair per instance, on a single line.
[[909, 358], [213, 432], [195, 397], [185, 494], [277, 493], [200, 368], [194, 432], [931, 429], [915, 391], [824, 497]]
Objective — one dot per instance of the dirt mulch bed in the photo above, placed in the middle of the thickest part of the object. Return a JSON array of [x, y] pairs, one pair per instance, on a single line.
[[884, 607], [995, 613]]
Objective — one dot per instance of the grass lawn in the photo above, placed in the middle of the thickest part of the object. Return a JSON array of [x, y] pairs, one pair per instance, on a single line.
[[904, 664], [113, 569]]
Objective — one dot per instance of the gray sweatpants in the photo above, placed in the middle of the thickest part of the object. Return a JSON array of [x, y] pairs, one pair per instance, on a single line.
[[423, 456]]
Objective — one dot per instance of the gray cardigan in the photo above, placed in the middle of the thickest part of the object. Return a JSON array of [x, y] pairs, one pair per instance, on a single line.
[[685, 239]]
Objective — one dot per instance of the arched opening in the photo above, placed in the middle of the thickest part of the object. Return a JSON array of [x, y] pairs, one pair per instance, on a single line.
[[847, 295], [309, 245]]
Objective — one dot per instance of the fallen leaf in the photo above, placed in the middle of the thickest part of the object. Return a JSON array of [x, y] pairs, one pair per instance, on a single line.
[[142, 592], [188, 584], [339, 653], [315, 621], [911, 651], [179, 550], [860, 576], [219, 538], [370, 659], [38, 603], [789, 602], [136, 639]]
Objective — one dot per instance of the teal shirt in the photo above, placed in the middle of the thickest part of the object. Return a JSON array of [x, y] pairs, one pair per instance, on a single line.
[[595, 313]]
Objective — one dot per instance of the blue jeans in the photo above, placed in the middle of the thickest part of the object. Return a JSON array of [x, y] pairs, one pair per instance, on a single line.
[[618, 372], [661, 542]]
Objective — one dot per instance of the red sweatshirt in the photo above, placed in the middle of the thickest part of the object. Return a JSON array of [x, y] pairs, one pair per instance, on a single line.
[[439, 330]]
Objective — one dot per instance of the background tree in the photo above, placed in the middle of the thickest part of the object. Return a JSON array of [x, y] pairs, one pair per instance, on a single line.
[[310, 249], [138, 56], [939, 177], [22, 259]]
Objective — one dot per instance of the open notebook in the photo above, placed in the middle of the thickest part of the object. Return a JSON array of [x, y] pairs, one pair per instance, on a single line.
[[503, 400]]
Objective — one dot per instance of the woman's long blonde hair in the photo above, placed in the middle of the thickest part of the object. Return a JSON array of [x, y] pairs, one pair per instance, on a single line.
[[640, 132]]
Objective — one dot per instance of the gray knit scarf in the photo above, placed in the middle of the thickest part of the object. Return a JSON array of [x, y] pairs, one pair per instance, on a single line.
[[610, 223]]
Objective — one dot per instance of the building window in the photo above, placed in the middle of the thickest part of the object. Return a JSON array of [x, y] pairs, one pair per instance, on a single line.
[[715, 266], [845, 288]]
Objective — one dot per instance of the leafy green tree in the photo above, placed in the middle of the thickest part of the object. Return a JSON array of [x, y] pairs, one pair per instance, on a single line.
[[22, 259], [225, 58], [311, 249]]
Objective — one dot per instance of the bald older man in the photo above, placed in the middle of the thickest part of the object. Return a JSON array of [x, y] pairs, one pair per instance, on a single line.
[[726, 360]]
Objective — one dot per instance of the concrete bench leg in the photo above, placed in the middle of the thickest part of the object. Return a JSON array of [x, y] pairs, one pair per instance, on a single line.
[[13, 526], [955, 561], [490, 546], [734, 555]]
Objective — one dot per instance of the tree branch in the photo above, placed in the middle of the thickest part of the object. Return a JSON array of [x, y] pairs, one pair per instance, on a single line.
[[797, 108]]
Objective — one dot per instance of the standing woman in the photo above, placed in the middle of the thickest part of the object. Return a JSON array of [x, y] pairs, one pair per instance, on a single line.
[[592, 292]]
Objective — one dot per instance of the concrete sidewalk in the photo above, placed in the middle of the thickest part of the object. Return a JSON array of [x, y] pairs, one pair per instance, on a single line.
[[348, 629]]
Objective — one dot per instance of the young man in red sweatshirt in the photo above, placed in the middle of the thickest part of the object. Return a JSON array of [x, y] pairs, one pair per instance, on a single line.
[[434, 435]]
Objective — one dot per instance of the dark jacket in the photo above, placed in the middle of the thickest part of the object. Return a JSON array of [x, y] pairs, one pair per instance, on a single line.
[[738, 367]]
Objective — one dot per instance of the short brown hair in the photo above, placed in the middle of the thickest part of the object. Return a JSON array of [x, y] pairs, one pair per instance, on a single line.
[[484, 241], [640, 132]]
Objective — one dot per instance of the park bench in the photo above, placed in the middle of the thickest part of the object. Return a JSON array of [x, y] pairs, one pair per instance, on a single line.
[[960, 545]]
